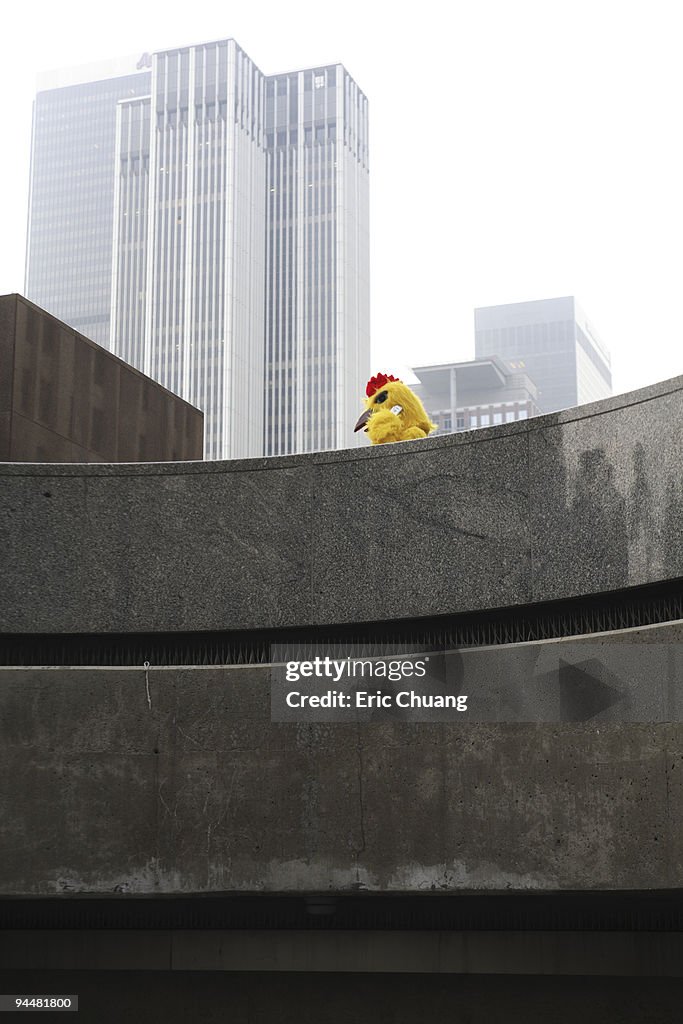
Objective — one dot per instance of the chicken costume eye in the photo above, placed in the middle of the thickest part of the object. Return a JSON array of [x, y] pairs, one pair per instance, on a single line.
[[382, 397]]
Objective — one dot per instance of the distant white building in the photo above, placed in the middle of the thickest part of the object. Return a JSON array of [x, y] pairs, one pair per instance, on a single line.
[[71, 198], [553, 342], [475, 393]]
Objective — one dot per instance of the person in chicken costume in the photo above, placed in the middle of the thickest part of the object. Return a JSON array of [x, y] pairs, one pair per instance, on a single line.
[[393, 412]]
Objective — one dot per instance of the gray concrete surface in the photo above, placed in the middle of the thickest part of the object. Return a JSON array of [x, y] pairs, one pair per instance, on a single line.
[[111, 784], [577, 502]]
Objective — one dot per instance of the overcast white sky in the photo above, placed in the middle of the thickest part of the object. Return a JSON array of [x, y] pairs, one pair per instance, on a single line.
[[519, 149]]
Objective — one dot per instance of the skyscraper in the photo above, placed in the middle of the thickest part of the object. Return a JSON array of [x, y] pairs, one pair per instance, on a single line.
[[239, 233], [188, 300], [553, 342], [317, 277], [71, 200]]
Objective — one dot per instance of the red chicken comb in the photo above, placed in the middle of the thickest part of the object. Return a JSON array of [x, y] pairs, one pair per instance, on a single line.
[[375, 383]]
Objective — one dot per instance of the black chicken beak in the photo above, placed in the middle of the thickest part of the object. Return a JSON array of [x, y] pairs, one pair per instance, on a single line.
[[363, 420]]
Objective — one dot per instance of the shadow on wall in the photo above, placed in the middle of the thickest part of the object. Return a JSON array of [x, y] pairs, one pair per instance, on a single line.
[[615, 533], [673, 526], [635, 536], [655, 530], [597, 523]]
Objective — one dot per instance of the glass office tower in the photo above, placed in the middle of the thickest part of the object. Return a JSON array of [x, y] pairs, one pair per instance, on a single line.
[[317, 260], [553, 342], [69, 244], [222, 246], [188, 300]]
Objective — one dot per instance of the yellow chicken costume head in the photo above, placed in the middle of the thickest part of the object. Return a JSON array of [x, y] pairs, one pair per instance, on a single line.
[[393, 412]]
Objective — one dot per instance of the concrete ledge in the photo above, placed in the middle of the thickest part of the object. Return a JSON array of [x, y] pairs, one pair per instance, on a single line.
[[575, 503]]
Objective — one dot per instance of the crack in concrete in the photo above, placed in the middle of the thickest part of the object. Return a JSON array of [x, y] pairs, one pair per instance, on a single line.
[[218, 822], [361, 850], [187, 736], [149, 697], [666, 756], [173, 814]]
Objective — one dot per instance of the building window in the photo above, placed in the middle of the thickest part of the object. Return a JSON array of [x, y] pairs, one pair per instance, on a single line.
[[484, 419], [460, 423], [522, 414], [497, 417], [447, 423], [509, 416]]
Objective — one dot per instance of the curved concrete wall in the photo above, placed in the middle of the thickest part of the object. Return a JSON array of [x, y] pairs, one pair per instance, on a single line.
[[574, 503], [110, 783]]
